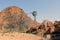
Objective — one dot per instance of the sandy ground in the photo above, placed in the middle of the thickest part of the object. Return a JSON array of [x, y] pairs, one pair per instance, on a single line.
[[18, 36]]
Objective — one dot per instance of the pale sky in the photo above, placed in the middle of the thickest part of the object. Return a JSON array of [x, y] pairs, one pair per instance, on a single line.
[[46, 9]]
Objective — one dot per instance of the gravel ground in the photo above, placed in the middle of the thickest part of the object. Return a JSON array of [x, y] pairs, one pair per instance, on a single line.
[[18, 36]]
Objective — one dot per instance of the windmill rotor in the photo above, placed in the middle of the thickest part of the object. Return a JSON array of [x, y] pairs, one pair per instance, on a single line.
[[34, 13]]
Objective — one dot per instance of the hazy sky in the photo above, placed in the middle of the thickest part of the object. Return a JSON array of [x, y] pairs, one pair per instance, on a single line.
[[46, 9]]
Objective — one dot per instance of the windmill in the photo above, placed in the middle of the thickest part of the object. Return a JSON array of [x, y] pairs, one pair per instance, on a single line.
[[34, 13]]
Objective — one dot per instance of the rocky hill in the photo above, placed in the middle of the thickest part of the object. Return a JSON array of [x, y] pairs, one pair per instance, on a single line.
[[15, 18]]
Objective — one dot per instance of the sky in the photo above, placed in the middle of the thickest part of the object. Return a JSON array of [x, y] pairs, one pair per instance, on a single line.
[[46, 9]]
